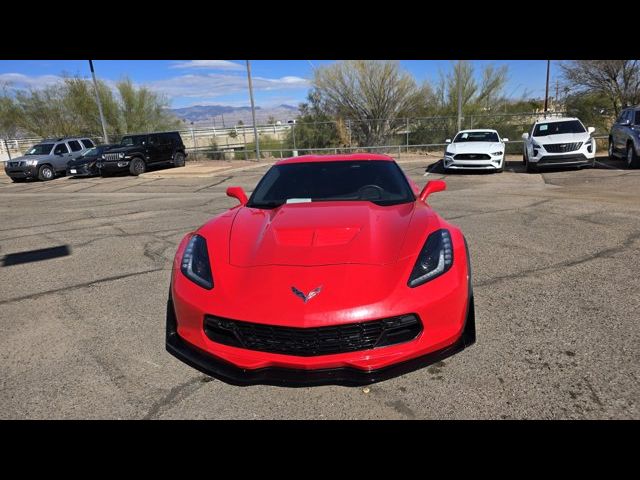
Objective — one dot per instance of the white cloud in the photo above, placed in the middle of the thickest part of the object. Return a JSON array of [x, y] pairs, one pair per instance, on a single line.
[[21, 81], [214, 85], [210, 64]]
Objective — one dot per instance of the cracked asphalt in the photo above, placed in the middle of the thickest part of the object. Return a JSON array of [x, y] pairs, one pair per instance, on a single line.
[[555, 261]]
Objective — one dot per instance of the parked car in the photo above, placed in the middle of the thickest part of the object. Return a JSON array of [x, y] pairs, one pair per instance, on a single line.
[[556, 142], [85, 165], [136, 152], [335, 270], [624, 138], [479, 149], [47, 159]]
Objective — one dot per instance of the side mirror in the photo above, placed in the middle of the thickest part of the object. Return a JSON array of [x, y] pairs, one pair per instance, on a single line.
[[505, 139], [591, 130], [237, 192], [432, 187], [525, 136], [448, 140]]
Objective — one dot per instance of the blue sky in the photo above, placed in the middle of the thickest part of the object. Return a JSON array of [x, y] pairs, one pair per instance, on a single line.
[[224, 82]]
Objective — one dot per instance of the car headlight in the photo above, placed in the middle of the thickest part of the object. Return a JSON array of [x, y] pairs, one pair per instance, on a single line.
[[496, 153], [195, 263], [435, 258], [121, 155], [535, 144], [31, 163], [449, 154]]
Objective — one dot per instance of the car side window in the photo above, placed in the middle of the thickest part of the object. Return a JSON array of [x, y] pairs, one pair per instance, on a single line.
[[61, 148], [621, 117], [636, 121], [75, 145], [87, 143]]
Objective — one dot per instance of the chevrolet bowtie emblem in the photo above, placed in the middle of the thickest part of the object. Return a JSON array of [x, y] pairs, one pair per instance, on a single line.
[[309, 296]]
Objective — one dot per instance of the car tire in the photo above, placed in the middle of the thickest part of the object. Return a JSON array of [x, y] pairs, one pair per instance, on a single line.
[[611, 151], [530, 168], [178, 160], [632, 158], [46, 172], [137, 166]]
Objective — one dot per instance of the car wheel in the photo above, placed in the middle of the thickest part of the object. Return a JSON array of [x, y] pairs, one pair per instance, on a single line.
[[524, 158], [530, 168], [178, 160], [632, 158], [611, 151], [45, 172], [137, 166]]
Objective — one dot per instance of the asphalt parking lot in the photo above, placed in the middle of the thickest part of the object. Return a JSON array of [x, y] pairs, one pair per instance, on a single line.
[[555, 260]]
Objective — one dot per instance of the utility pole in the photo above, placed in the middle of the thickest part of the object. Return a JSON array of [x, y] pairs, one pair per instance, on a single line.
[[546, 92], [253, 112], [459, 79], [95, 85]]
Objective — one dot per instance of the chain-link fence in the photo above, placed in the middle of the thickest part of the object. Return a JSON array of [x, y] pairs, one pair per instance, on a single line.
[[404, 135]]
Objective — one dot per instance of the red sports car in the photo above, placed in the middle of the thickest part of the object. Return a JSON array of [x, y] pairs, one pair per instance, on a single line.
[[334, 271]]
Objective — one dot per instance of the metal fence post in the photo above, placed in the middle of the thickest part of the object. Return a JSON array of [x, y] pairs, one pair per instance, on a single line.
[[7, 148]]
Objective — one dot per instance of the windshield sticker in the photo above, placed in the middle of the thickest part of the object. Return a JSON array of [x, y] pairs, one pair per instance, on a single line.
[[543, 127], [465, 135]]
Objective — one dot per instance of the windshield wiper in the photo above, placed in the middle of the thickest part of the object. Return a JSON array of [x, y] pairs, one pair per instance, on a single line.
[[266, 205]]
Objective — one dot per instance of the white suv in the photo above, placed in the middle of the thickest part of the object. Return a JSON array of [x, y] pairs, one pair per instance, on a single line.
[[556, 142]]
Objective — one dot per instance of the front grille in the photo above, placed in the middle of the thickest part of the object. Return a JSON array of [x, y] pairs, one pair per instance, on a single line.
[[111, 156], [16, 164], [472, 156], [308, 342], [562, 147]]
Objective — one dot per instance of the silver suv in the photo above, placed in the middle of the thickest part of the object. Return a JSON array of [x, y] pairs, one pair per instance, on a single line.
[[47, 159], [624, 138]]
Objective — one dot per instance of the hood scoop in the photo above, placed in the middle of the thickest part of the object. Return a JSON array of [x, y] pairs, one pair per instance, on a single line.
[[319, 233]]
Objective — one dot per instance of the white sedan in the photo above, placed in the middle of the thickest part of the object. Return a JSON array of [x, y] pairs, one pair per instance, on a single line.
[[475, 150]]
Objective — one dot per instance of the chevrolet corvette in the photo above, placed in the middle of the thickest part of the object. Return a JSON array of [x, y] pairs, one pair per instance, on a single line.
[[334, 271]]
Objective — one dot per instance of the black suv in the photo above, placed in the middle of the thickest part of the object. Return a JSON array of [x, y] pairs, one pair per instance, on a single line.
[[136, 152]]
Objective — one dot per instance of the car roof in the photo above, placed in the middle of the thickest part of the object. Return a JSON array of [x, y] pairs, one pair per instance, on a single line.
[[556, 119], [478, 130], [335, 158], [63, 139]]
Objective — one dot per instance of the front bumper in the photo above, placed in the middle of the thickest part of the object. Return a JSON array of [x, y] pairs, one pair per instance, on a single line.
[[290, 377], [86, 170], [22, 172], [446, 309], [113, 166], [489, 164], [569, 159]]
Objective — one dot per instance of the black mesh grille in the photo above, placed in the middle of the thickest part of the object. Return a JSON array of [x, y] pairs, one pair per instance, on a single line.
[[562, 147], [307, 342], [472, 156]]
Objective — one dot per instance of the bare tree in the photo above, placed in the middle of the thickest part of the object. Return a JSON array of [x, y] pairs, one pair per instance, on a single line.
[[618, 80], [372, 95]]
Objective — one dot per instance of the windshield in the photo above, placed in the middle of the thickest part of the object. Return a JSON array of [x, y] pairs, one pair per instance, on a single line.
[[558, 128], [378, 181], [41, 149], [476, 137], [133, 140]]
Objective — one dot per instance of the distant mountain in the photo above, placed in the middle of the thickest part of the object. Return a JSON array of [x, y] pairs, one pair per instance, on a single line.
[[206, 115]]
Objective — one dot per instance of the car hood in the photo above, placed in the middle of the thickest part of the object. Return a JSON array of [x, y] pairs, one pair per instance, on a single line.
[[82, 161], [319, 233], [123, 149], [475, 147], [562, 138], [29, 157]]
